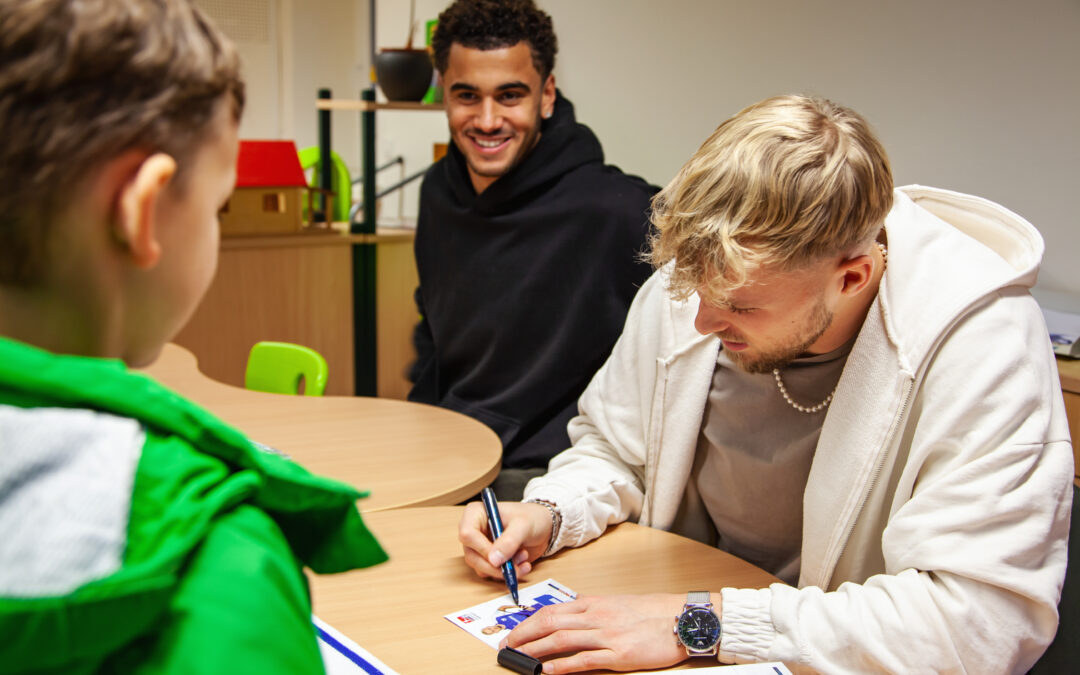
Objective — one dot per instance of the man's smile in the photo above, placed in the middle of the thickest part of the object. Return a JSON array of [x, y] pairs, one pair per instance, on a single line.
[[489, 145]]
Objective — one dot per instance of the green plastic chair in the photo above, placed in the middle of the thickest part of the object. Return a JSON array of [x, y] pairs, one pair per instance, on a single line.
[[340, 182], [280, 367]]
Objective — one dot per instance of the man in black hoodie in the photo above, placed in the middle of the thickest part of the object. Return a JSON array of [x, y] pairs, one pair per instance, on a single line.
[[526, 245]]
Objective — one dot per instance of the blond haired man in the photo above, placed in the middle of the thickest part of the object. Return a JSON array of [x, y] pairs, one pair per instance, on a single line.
[[847, 385]]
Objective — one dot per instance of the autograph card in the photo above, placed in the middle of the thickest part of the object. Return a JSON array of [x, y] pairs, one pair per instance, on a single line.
[[489, 621]]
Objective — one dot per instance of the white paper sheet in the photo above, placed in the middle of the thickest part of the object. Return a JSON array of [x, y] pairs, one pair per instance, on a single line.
[[342, 656], [776, 668]]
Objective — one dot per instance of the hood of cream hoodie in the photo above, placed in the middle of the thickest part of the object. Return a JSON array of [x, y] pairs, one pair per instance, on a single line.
[[948, 253], [986, 248]]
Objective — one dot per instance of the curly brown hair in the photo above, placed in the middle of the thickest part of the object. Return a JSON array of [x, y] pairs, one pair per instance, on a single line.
[[493, 24], [83, 82]]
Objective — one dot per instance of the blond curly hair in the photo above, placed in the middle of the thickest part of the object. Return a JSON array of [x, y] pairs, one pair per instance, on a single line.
[[784, 183]]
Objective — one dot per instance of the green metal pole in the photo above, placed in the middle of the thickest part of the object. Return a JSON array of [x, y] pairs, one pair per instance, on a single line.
[[364, 336], [325, 166]]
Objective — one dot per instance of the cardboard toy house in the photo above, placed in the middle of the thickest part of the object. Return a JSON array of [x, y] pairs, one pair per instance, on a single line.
[[269, 188]]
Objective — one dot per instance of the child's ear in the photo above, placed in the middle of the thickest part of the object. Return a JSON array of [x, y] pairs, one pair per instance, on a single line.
[[136, 213]]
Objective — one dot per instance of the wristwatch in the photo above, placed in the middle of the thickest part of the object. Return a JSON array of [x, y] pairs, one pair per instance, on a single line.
[[698, 627]]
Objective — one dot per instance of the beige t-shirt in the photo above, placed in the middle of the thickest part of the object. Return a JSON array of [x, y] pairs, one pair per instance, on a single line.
[[754, 454]]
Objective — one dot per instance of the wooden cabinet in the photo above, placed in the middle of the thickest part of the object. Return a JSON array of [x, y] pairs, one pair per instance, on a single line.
[[1069, 369], [298, 288]]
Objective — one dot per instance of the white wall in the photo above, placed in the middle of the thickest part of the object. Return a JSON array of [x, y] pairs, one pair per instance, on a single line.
[[974, 95], [325, 46], [980, 96], [255, 27], [409, 134], [290, 49]]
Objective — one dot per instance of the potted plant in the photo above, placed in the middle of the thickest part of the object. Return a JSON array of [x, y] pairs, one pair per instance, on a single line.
[[404, 74]]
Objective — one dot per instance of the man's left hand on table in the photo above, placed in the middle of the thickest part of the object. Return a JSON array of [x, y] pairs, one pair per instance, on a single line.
[[619, 632]]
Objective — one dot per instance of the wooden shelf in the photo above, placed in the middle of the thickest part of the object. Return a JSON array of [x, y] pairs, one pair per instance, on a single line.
[[367, 106], [336, 237]]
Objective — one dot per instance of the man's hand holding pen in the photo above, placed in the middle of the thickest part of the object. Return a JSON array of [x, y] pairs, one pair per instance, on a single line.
[[526, 531], [639, 627]]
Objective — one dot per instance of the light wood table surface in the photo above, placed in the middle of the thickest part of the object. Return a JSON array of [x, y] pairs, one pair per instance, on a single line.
[[395, 610], [405, 454]]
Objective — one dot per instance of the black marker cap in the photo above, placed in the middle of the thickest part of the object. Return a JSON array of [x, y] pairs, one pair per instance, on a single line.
[[519, 662]]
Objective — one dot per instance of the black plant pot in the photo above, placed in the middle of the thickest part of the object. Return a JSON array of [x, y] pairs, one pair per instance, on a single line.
[[403, 74]]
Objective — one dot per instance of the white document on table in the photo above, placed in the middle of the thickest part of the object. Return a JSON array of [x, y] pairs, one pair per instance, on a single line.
[[342, 656], [490, 621], [772, 668]]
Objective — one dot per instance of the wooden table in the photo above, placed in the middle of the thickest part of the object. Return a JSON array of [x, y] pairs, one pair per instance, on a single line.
[[395, 610], [406, 454]]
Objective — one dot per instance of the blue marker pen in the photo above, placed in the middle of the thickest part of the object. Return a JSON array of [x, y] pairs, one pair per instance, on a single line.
[[495, 525]]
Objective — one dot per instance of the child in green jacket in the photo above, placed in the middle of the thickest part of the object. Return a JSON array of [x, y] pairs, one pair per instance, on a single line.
[[137, 532]]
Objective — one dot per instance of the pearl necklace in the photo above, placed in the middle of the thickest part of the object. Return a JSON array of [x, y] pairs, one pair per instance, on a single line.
[[810, 410]]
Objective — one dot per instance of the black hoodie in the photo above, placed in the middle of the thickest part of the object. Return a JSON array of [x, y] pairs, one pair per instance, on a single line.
[[524, 288]]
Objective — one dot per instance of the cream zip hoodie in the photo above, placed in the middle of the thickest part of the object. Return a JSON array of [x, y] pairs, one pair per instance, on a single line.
[[936, 511]]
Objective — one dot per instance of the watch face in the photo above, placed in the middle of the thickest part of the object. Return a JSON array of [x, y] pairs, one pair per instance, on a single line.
[[699, 629]]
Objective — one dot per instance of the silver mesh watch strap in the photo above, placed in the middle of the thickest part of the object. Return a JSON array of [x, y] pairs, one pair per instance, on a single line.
[[698, 598]]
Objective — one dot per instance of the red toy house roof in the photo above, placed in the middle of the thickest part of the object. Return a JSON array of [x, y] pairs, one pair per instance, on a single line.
[[269, 164]]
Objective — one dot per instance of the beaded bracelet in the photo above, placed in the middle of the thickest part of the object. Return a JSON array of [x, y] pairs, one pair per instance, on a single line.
[[556, 523]]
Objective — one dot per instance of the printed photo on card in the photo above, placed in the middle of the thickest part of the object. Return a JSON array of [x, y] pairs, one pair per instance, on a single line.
[[490, 621]]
